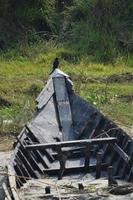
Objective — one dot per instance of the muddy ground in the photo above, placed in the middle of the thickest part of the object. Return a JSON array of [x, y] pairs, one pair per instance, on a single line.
[[6, 143]]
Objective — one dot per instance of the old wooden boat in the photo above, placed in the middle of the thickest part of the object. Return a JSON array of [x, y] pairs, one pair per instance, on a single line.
[[67, 139]]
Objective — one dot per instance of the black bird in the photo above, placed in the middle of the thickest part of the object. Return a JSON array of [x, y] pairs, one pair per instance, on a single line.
[[55, 64]]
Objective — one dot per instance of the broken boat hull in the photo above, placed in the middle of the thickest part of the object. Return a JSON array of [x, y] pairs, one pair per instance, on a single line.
[[66, 137]]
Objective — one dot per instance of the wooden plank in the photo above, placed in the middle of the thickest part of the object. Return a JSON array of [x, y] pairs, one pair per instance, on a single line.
[[60, 89], [19, 182], [98, 127], [90, 127], [29, 158], [45, 123], [20, 137], [62, 161], [27, 164], [38, 155], [6, 191], [32, 130], [81, 112], [120, 151], [110, 176], [34, 162], [98, 165], [87, 154], [75, 153], [24, 169], [72, 143], [125, 157], [66, 121], [33, 159], [12, 182], [45, 95], [91, 168], [64, 109], [20, 173], [40, 158]]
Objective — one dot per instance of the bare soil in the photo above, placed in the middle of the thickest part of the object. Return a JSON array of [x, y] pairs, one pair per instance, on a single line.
[[6, 143]]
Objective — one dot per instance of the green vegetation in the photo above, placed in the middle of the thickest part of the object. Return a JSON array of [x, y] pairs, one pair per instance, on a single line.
[[106, 86], [100, 29], [92, 38]]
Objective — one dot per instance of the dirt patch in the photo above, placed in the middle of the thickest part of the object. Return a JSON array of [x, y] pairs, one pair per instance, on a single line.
[[126, 98], [122, 189], [4, 102], [121, 78], [115, 78], [6, 143]]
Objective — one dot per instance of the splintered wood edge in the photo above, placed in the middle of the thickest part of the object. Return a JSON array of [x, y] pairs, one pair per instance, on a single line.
[[6, 192], [12, 182]]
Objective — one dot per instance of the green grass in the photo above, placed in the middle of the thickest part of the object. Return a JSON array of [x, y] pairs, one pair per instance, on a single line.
[[23, 74]]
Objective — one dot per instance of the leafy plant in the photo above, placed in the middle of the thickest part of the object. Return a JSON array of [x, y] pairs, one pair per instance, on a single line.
[[96, 98]]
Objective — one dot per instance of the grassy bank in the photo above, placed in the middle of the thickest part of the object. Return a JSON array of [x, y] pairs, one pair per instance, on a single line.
[[23, 74]]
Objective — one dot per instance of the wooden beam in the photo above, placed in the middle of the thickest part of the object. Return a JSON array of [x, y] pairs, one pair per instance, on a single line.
[[72, 143], [12, 182], [110, 176], [87, 154], [98, 164], [120, 151], [6, 192], [91, 168]]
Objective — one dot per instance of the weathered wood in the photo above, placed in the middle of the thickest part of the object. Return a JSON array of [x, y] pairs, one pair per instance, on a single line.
[[19, 172], [73, 170], [110, 175], [40, 158], [72, 143], [64, 109], [81, 112], [27, 164], [30, 158], [24, 169], [98, 164], [62, 160], [81, 187], [60, 89], [45, 95], [7, 194], [12, 182], [121, 153], [62, 115], [36, 132], [91, 126], [47, 190], [87, 152], [46, 121]]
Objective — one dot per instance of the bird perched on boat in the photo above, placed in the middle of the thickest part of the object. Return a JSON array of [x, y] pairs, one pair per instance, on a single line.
[[55, 65]]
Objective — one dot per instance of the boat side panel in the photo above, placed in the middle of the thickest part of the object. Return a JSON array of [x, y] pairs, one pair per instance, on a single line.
[[82, 113], [45, 95], [64, 109], [47, 122]]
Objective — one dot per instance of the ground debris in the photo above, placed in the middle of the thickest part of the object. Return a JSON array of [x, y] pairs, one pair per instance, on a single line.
[[4, 102], [122, 189]]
